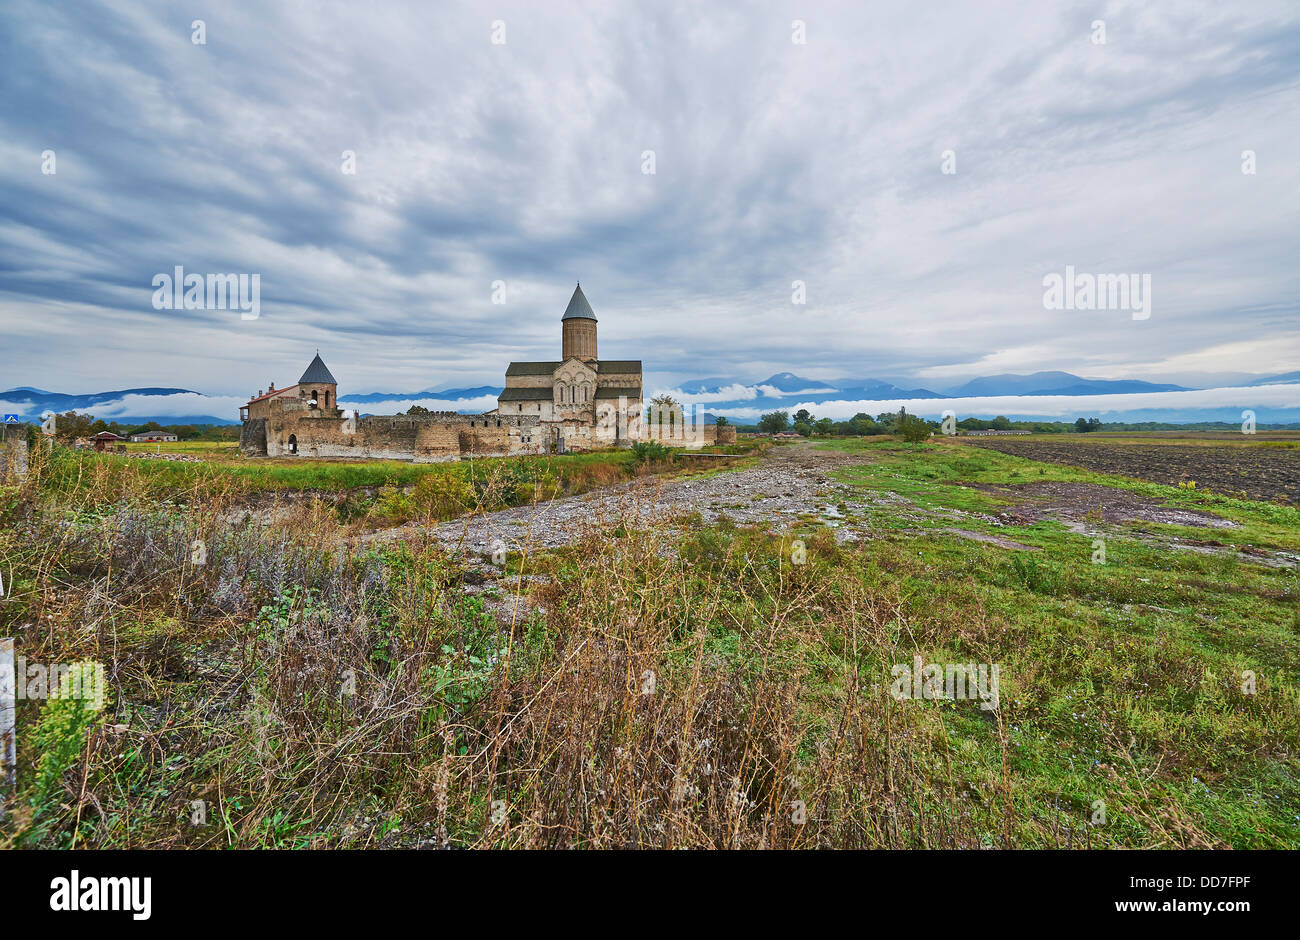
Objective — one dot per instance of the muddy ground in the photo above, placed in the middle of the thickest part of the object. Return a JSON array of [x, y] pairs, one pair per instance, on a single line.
[[1090, 503], [1255, 471]]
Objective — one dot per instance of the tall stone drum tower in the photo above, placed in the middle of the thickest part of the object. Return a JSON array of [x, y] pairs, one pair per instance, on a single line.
[[579, 326]]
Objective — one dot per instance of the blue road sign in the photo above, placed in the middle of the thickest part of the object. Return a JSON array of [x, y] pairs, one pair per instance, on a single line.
[[11, 419]]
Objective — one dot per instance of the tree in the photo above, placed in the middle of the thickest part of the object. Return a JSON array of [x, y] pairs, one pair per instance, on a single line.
[[803, 428], [722, 422], [774, 422], [863, 423], [888, 420], [665, 404], [912, 429], [804, 415], [417, 410], [70, 425], [824, 426]]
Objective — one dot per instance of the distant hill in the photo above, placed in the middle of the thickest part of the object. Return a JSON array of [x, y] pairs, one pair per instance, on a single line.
[[59, 401], [32, 403], [1054, 383], [876, 389], [789, 382], [698, 386], [1288, 378], [447, 394]]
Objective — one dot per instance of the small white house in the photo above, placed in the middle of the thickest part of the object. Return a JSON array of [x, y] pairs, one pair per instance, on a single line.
[[151, 436]]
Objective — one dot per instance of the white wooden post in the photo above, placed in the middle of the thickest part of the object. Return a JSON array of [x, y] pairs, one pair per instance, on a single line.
[[8, 715]]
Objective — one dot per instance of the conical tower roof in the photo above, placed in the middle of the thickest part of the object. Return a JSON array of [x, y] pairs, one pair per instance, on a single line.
[[317, 374], [578, 307]]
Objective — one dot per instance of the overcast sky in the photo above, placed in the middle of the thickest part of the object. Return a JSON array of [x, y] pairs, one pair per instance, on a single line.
[[775, 161]]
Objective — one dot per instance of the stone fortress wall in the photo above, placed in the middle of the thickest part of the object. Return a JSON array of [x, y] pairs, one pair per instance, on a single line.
[[291, 432]]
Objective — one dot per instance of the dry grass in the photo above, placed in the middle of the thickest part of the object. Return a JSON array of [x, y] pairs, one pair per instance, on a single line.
[[661, 687], [312, 695]]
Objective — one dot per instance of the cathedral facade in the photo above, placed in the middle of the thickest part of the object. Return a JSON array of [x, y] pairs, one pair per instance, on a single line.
[[586, 401]]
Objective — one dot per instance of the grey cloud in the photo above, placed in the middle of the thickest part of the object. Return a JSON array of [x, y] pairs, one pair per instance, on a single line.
[[521, 162]]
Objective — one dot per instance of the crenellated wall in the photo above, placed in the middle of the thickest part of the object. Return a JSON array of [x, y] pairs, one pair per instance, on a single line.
[[291, 431]]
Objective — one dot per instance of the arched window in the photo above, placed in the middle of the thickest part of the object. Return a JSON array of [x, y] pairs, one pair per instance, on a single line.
[[293, 443]]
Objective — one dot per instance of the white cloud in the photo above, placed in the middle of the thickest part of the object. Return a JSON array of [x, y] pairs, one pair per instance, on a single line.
[[401, 405], [1049, 406]]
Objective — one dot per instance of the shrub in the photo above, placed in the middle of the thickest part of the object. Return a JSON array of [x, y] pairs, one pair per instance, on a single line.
[[912, 429], [59, 736], [392, 505], [650, 451], [443, 495], [1039, 578]]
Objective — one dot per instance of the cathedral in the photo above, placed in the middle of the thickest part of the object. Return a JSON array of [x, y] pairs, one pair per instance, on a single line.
[[574, 403], [591, 401]]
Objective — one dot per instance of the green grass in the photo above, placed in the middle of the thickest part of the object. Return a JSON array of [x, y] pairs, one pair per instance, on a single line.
[[210, 449], [1153, 645], [224, 466], [1120, 682]]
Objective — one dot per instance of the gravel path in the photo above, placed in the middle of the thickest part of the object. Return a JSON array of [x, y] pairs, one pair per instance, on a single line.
[[788, 482]]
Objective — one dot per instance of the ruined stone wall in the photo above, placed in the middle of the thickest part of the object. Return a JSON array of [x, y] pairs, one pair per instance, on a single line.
[[293, 430]]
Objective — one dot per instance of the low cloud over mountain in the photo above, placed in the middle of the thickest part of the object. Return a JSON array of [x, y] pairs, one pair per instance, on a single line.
[[1041, 395]]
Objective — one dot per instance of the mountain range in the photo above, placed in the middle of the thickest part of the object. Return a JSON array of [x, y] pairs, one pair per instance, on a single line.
[[744, 400]]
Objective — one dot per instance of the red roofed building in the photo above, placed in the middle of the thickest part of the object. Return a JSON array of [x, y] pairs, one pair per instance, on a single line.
[[317, 390], [104, 438], [257, 406]]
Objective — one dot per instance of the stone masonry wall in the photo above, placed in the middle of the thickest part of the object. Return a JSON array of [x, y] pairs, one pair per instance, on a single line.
[[421, 438]]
